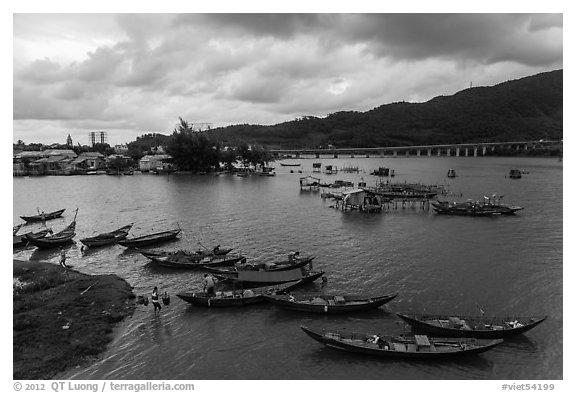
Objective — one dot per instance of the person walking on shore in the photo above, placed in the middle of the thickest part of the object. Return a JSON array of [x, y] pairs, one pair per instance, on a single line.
[[63, 258], [155, 300]]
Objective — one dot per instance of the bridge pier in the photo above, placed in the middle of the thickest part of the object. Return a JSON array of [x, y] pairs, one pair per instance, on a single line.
[[418, 152], [367, 155], [466, 152], [448, 152], [457, 152], [317, 155], [381, 153], [429, 152], [407, 153], [475, 152], [484, 150], [395, 153], [439, 152]]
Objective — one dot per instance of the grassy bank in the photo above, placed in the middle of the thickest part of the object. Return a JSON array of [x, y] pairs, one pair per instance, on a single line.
[[62, 318]]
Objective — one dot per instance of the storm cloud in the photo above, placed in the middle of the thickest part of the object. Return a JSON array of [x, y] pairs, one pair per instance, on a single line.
[[130, 73]]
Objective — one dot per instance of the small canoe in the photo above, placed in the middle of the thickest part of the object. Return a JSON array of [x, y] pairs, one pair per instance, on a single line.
[[107, 237], [267, 267], [285, 164], [485, 327], [235, 298], [416, 347], [151, 239], [21, 240], [187, 262], [58, 239], [333, 304], [43, 217], [258, 278]]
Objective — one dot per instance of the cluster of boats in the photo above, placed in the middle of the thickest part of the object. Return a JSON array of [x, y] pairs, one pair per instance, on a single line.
[[488, 207], [46, 238]]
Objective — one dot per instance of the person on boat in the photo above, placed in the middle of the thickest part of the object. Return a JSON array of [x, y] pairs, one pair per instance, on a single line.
[[293, 257], [155, 300], [43, 216], [209, 285], [63, 258], [216, 249]]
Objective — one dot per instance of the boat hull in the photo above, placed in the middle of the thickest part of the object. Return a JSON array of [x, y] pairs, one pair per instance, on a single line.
[[264, 280], [149, 240], [351, 305], [47, 216], [477, 326], [105, 239], [403, 348]]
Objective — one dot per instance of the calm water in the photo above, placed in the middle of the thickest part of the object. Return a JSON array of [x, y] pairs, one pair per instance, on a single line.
[[508, 265]]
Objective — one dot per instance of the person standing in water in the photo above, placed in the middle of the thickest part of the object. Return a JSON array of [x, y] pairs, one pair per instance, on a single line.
[[155, 300]]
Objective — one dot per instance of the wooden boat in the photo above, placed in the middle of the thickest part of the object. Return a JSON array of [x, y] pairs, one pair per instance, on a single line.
[[107, 237], [267, 267], [417, 347], [285, 164], [21, 240], [329, 304], [261, 278], [237, 298], [151, 239], [58, 239], [515, 174], [43, 216], [471, 326], [200, 254], [451, 173], [191, 262]]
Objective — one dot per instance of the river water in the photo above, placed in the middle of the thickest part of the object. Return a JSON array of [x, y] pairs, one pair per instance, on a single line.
[[507, 265]]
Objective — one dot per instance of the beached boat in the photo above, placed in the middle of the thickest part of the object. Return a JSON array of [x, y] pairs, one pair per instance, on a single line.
[[21, 240], [65, 236], [199, 254], [451, 173], [471, 326], [286, 164], [237, 297], [329, 304], [261, 278], [268, 267], [147, 240], [107, 237], [43, 216], [417, 347], [191, 262]]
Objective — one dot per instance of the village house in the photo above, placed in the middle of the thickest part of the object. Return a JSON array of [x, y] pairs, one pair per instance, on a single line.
[[158, 162], [89, 161]]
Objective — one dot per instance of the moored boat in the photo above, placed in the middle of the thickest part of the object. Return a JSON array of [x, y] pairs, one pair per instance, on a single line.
[[329, 304], [248, 278], [486, 327], [417, 347], [21, 240], [515, 174], [147, 240], [43, 216], [236, 298], [65, 236], [451, 173], [193, 262], [108, 237], [268, 267]]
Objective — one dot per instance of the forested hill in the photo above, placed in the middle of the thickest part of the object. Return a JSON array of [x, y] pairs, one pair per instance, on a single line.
[[524, 109]]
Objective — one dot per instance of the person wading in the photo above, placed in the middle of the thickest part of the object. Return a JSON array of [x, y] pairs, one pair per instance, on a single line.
[[156, 300]]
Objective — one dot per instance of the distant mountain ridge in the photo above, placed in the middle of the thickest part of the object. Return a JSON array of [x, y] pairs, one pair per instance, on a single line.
[[529, 108]]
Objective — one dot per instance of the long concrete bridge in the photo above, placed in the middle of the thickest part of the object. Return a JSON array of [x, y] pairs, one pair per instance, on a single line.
[[457, 150]]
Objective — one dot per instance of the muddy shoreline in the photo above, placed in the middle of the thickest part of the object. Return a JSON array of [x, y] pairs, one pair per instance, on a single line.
[[63, 318]]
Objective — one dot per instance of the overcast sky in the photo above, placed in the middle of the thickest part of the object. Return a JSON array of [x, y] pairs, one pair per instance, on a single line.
[[130, 74]]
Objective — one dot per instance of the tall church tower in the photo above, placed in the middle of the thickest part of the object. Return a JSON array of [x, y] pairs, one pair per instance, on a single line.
[[69, 141]]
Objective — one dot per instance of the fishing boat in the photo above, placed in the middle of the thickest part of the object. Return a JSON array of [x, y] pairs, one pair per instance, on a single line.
[[451, 173], [237, 297], [43, 216], [192, 262], [106, 238], [471, 326], [286, 164], [268, 267], [416, 347], [515, 174], [249, 278], [21, 240], [153, 238], [329, 304], [65, 236]]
